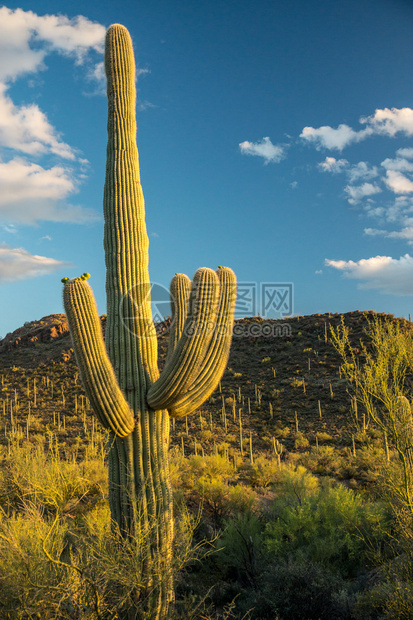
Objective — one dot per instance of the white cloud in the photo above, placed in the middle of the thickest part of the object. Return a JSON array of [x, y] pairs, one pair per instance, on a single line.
[[26, 38], [265, 149], [27, 129], [406, 152], [30, 193], [358, 192], [406, 233], [386, 122], [18, 264], [390, 121], [330, 138], [373, 211], [374, 232], [365, 180], [395, 212], [362, 170], [333, 165], [398, 182], [388, 275], [399, 163], [96, 75]]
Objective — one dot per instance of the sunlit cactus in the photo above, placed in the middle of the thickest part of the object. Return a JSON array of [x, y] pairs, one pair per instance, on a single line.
[[120, 375]]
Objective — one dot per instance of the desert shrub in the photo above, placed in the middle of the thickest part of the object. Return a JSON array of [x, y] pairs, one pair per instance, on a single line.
[[242, 499], [214, 493], [281, 433], [220, 500], [217, 465], [205, 435], [296, 482], [240, 548], [276, 393], [325, 460], [323, 523], [300, 441], [263, 471], [60, 558], [43, 478], [301, 590], [381, 388], [323, 437], [389, 599]]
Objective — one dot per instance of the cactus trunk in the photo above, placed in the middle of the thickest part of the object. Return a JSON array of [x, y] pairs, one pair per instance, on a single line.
[[139, 487], [121, 375]]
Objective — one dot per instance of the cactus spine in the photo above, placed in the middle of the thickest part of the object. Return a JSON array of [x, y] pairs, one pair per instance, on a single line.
[[121, 375]]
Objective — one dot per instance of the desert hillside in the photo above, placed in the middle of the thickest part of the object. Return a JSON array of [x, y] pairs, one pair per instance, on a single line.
[[281, 375]]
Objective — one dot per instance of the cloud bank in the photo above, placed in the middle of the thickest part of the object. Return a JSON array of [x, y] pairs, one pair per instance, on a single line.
[[388, 275], [18, 264], [385, 122], [35, 175]]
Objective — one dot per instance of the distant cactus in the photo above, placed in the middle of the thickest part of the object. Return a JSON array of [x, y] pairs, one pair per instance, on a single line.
[[122, 379]]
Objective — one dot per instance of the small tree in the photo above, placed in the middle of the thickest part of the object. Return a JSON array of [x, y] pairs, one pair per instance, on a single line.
[[381, 385]]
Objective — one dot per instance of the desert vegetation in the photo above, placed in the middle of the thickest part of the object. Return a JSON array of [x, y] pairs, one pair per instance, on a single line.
[[286, 494], [291, 493]]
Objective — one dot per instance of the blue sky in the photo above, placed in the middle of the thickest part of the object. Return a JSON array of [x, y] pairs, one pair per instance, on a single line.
[[275, 138]]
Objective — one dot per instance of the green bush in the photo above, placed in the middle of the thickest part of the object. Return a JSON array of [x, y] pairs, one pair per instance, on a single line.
[[240, 548], [301, 590], [60, 558], [43, 478], [322, 523], [390, 599], [263, 471]]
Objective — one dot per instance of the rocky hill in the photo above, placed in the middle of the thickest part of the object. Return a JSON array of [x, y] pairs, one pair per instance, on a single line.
[[282, 378]]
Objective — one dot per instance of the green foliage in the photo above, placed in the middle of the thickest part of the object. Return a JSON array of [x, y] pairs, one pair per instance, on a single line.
[[263, 471], [323, 437], [240, 547], [242, 499], [381, 387], [322, 523], [41, 477], [301, 590], [390, 596], [60, 557], [300, 441]]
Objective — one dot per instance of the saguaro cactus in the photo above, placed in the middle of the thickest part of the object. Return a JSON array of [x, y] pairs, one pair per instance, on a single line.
[[121, 376]]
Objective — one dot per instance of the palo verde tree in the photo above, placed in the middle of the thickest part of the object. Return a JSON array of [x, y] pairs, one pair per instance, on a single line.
[[120, 375], [382, 385]]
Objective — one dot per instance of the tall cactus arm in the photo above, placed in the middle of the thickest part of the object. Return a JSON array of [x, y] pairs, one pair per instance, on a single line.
[[189, 353], [95, 368], [180, 289], [217, 354], [130, 333]]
